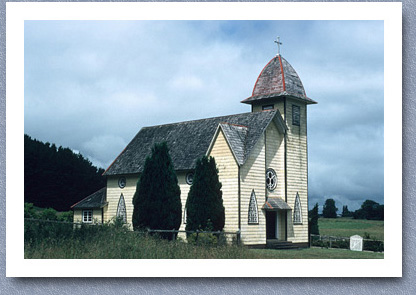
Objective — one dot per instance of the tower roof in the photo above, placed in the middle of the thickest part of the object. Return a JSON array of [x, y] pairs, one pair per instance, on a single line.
[[278, 78]]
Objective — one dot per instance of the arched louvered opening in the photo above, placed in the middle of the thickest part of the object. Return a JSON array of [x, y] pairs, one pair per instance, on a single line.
[[297, 212], [121, 209], [253, 213]]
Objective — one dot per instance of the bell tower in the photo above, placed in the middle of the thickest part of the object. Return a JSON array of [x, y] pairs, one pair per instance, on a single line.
[[278, 87]]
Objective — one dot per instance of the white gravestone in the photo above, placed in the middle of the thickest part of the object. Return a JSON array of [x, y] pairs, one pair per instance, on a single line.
[[356, 243]]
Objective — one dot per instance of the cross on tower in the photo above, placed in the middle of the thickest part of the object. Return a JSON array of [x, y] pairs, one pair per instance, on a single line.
[[277, 41]]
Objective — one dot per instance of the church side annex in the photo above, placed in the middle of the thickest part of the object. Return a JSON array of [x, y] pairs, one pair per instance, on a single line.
[[261, 157]]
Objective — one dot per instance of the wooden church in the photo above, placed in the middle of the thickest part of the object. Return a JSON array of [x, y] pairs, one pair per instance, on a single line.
[[261, 156]]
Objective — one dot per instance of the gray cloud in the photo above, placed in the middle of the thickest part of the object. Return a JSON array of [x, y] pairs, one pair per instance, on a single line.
[[91, 85]]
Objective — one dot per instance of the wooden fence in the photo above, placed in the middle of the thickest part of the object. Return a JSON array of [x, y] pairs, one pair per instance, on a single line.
[[344, 243], [173, 232]]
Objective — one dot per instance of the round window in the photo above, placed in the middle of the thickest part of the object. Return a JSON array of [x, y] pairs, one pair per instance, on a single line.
[[122, 182], [271, 179], [190, 178]]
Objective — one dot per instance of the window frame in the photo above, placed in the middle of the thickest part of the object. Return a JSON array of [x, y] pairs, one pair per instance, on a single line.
[[295, 120], [184, 218], [122, 182], [85, 216], [252, 204], [297, 208], [122, 212], [273, 187], [267, 107], [189, 174]]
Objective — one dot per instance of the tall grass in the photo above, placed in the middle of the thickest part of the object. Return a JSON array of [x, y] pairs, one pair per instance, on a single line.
[[112, 242], [47, 240]]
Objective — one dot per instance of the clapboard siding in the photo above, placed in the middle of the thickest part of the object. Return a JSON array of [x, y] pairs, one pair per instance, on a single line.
[[113, 196], [252, 175], [297, 170], [228, 176], [275, 159]]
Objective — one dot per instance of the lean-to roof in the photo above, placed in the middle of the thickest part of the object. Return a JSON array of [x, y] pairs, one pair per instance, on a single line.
[[95, 200]]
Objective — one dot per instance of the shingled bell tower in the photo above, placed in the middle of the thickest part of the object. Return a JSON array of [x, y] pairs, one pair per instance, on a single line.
[[279, 87]]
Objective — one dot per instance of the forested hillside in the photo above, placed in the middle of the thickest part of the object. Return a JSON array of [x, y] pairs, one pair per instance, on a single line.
[[56, 177]]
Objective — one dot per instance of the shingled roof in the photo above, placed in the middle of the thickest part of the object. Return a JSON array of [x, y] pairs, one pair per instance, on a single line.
[[276, 203], [95, 200], [189, 141], [236, 137], [277, 79]]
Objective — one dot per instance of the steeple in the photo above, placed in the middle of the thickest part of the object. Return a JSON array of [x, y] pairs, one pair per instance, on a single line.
[[277, 80]]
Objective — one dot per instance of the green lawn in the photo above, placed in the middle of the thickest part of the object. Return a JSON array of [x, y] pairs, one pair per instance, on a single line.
[[346, 227], [315, 253]]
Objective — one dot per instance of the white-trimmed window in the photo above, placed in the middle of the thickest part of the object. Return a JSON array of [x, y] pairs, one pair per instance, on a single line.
[[121, 209], [87, 216], [253, 213], [297, 212], [189, 178], [271, 179]]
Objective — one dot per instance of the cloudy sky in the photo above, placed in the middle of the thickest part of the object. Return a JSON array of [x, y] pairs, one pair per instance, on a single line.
[[91, 86]]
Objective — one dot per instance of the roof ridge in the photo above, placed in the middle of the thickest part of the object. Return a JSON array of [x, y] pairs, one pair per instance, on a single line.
[[236, 125], [192, 121]]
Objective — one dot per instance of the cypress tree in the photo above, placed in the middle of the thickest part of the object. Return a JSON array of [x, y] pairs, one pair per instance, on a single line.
[[157, 201], [313, 222], [329, 210], [205, 209]]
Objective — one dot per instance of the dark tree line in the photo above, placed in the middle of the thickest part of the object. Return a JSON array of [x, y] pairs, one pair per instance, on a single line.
[[56, 177], [370, 210]]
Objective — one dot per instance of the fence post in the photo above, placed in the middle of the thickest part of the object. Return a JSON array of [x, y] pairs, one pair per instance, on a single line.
[[330, 242], [197, 233]]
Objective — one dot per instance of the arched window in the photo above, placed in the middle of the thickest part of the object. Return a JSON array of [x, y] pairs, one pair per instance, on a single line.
[[297, 214], [121, 209], [253, 214], [184, 215]]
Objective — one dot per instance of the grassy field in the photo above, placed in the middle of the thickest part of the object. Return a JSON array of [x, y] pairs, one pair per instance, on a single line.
[[316, 253], [108, 242], [346, 227]]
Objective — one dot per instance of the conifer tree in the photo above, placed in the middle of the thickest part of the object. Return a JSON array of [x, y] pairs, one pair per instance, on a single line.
[[329, 210], [313, 223], [205, 209], [346, 212], [157, 201]]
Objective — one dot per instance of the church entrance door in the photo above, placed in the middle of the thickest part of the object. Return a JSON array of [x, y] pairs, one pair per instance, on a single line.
[[271, 224]]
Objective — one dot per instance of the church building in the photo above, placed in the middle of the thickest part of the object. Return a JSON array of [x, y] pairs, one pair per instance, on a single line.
[[261, 156]]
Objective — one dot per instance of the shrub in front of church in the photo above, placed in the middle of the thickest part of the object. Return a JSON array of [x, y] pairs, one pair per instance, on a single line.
[[157, 202], [207, 238], [205, 209]]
